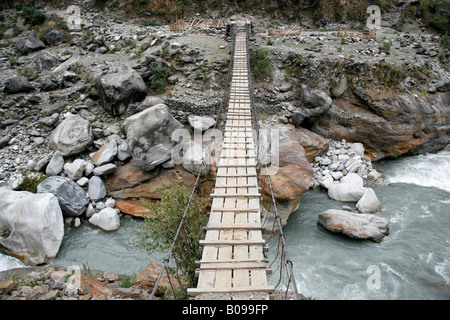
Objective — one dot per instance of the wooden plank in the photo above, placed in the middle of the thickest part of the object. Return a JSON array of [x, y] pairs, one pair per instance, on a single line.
[[234, 265], [234, 226], [196, 291], [235, 195], [229, 243], [254, 209]]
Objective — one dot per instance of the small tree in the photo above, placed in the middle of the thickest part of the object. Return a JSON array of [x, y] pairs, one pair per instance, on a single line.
[[158, 231]]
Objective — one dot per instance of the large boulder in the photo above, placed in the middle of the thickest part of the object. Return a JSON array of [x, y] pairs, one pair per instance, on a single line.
[[314, 102], [72, 198], [18, 84], [354, 225], [118, 90], [31, 226], [149, 135], [45, 60], [289, 178], [351, 188], [54, 37], [72, 136], [30, 43]]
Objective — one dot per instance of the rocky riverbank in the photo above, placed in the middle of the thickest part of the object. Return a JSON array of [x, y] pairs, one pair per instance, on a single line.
[[70, 283]]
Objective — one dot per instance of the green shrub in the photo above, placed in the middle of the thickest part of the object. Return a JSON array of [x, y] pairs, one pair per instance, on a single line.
[[31, 181], [31, 15], [260, 64], [157, 232], [436, 14], [445, 41], [158, 81]]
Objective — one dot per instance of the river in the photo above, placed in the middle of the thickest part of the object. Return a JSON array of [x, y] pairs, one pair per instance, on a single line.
[[412, 262]]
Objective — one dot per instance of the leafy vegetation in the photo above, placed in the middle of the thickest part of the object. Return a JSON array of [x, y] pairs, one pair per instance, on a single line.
[[260, 64], [31, 181], [436, 14], [158, 231], [159, 80], [31, 15]]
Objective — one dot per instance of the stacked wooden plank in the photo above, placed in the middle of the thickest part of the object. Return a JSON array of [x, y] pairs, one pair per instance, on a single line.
[[233, 265]]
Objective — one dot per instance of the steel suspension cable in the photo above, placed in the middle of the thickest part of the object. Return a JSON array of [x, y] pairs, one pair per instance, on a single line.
[[175, 239], [277, 216]]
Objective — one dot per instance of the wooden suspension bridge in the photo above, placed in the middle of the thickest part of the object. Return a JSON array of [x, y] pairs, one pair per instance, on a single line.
[[233, 265]]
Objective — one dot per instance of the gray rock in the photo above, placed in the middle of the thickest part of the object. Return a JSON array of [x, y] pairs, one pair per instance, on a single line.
[[369, 202], [285, 87], [201, 123], [89, 169], [314, 101], [49, 83], [297, 118], [349, 189], [339, 88], [31, 225], [82, 181], [54, 37], [29, 44], [72, 136], [45, 60], [192, 159], [353, 225], [96, 189], [4, 141], [106, 153], [18, 84], [358, 148], [148, 102], [110, 203], [69, 78], [42, 164], [122, 151], [118, 90], [149, 136], [105, 169], [56, 164], [107, 220], [74, 170], [71, 197]]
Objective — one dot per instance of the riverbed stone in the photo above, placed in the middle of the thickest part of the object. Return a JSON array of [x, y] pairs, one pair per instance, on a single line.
[[72, 136], [71, 197], [354, 225], [31, 225], [369, 202], [56, 164], [107, 219], [351, 188], [118, 90], [96, 188], [149, 136]]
